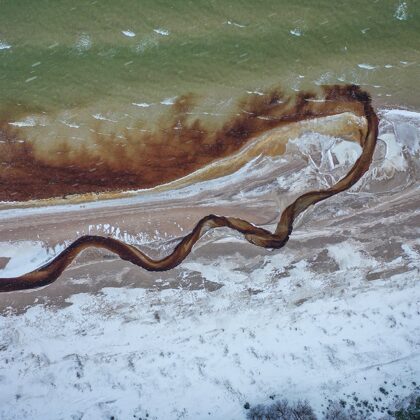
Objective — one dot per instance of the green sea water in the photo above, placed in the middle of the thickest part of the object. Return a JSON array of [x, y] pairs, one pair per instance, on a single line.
[[129, 57]]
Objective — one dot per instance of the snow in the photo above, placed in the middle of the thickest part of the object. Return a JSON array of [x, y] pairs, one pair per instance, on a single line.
[[25, 256], [124, 351]]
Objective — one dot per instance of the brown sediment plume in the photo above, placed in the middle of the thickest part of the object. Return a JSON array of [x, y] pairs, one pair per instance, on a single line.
[[259, 116], [138, 159]]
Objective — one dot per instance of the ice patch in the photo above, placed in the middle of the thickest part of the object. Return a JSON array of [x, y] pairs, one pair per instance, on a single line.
[[401, 13], [129, 34], [393, 157], [160, 31], [346, 152], [25, 256], [406, 125]]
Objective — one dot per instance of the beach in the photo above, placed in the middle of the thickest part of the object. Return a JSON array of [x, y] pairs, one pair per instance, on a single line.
[[341, 298]]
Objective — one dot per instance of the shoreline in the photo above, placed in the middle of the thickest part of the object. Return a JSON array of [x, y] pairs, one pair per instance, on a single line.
[[249, 151], [272, 143]]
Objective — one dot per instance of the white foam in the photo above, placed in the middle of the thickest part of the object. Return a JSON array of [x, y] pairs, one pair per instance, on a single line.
[[401, 12], [70, 124], [128, 33], [141, 104], [31, 121], [160, 31], [325, 78], [147, 43], [83, 43], [255, 92], [366, 66], [4, 45], [296, 32], [238, 25], [169, 101], [31, 79], [102, 118]]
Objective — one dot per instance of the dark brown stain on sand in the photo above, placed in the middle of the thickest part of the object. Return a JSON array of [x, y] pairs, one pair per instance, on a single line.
[[143, 159], [337, 99]]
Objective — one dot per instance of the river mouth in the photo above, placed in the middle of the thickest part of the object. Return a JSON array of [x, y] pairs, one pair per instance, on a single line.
[[180, 149]]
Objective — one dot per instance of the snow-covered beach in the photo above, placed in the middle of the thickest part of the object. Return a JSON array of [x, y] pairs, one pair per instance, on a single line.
[[332, 316]]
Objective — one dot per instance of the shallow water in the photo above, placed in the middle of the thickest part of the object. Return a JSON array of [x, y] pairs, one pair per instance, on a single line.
[[88, 75]]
